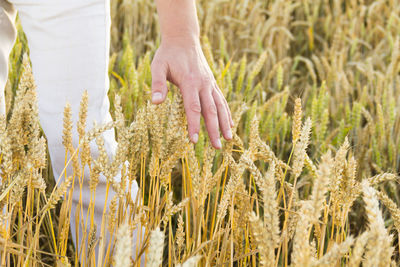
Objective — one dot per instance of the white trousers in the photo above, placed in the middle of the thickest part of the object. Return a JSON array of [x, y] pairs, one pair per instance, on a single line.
[[69, 49]]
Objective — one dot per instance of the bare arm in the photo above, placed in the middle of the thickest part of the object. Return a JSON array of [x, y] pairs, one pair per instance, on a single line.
[[180, 60], [178, 19]]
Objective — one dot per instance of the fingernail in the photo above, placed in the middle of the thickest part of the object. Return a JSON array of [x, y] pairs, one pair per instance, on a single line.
[[219, 145], [195, 138], [229, 134], [156, 97]]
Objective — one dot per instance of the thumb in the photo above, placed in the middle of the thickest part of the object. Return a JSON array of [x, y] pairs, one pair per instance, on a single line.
[[158, 83]]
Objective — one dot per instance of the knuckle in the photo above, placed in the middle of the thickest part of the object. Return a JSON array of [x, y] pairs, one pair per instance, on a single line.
[[219, 104], [197, 80], [206, 80], [224, 125], [195, 107], [212, 109], [191, 78], [157, 83], [194, 127]]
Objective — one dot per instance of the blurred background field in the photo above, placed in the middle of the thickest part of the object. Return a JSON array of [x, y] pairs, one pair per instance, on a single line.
[[342, 58]]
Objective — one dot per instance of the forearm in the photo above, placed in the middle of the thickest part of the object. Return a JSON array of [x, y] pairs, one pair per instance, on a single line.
[[178, 20]]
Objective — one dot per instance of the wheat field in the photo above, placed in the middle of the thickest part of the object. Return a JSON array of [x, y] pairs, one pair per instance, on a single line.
[[309, 179]]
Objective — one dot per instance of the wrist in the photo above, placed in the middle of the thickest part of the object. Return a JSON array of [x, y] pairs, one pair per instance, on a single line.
[[187, 40], [178, 21]]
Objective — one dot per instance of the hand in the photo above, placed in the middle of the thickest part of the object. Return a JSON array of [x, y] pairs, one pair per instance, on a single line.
[[183, 63]]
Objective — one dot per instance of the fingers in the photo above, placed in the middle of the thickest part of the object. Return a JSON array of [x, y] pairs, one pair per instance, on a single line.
[[223, 115], [214, 108], [229, 112], [225, 103], [192, 106], [210, 114], [158, 82]]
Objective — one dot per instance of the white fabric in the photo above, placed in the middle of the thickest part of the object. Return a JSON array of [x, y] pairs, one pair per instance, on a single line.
[[8, 34], [69, 49]]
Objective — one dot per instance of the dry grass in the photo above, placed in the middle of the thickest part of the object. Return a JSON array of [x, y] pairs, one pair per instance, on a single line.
[[313, 90]]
